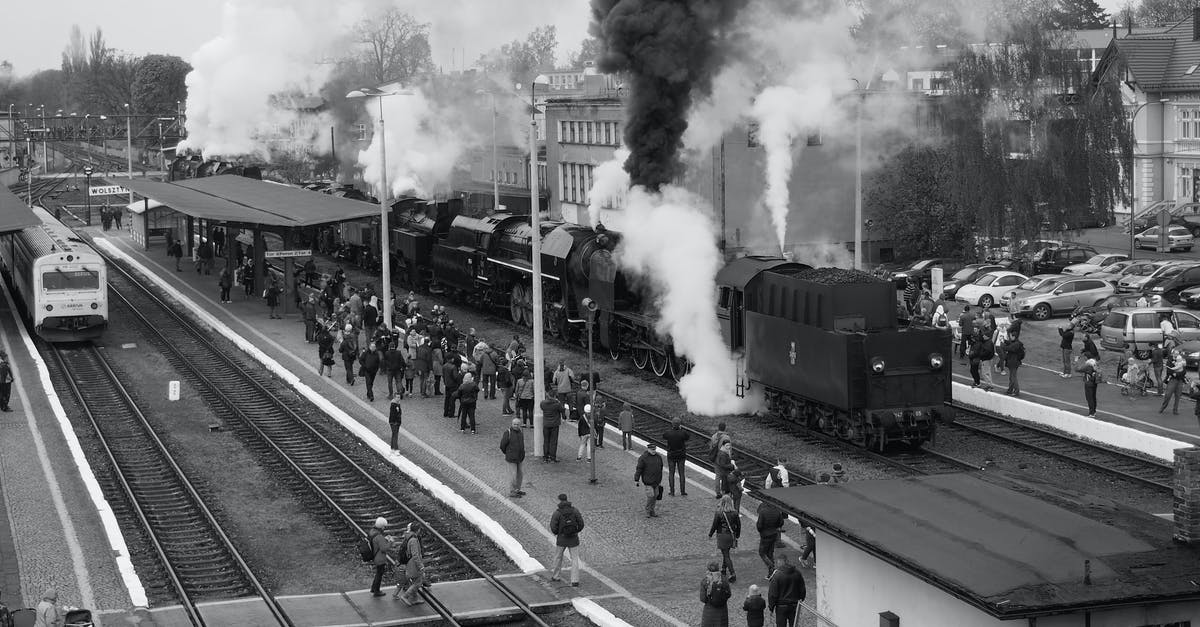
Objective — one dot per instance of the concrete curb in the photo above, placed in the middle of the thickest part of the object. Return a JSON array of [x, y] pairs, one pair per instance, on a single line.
[[487, 525], [599, 616]]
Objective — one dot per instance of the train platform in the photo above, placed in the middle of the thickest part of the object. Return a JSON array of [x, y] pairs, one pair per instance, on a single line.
[[644, 571], [52, 533]]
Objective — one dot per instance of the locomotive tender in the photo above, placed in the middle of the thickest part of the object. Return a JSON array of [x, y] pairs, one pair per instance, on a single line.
[[61, 281]]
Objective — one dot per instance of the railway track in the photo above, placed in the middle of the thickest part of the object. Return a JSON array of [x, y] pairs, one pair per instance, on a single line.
[[1155, 474], [200, 561], [278, 432]]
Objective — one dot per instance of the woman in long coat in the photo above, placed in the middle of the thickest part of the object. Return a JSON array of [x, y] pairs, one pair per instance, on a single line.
[[715, 593]]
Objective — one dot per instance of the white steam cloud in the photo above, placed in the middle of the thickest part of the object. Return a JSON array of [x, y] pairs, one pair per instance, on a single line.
[[424, 142], [610, 186]]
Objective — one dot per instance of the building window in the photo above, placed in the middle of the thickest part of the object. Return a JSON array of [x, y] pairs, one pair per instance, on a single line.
[[918, 84], [574, 132], [591, 128], [752, 135], [362, 131], [562, 131], [814, 138], [1189, 124], [562, 182]]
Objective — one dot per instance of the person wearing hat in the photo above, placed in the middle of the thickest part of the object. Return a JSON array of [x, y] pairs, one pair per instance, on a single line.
[[512, 444], [565, 524], [395, 419], [649, 471], [715, 593], [467, 395], [349, 351], [6, 381], [584, 430], [676, 438], [48, 613], [381, 544], [414, 568], [552, 416], [1091, 381]]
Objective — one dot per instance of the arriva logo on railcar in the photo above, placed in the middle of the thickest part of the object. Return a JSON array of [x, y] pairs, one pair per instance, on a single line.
[[792, 354]]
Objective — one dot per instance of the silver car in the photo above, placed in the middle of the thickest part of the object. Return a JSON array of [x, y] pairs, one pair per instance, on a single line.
[[1030, 284], [1133, 281], [1061, 297], [1178, 238]]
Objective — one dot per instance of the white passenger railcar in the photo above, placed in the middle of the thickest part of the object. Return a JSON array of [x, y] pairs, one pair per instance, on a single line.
[[61, 281]]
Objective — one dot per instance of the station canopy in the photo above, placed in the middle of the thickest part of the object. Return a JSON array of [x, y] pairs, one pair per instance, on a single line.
[[232, 198], [14, 215]]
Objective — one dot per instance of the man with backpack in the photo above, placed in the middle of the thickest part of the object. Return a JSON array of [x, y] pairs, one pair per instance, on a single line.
[[412, 559], [565, 524], [1014, 355], [376, 552], [714, 442]]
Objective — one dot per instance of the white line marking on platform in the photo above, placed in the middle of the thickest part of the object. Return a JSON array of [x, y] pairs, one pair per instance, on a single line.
[[83, 581]]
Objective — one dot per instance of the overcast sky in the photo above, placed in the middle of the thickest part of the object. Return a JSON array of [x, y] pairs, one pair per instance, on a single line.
[[154, 26]]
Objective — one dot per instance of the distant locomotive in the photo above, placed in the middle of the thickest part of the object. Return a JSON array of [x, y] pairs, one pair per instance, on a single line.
[[827, 349], [60, 280]]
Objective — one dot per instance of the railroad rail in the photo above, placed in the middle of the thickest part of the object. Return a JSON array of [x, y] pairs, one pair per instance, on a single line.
[[280, 434], [198, 557], [1155, 474]]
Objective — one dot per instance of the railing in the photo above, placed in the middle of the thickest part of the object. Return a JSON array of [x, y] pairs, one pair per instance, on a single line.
[[808, 616]]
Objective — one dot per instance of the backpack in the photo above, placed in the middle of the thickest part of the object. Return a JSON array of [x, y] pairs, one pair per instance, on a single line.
[[987, 350], [366, 549], [714, 446], [404, 555], [568, 524]]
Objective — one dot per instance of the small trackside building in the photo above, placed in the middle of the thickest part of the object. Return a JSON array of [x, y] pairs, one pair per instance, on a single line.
[[964, 551]]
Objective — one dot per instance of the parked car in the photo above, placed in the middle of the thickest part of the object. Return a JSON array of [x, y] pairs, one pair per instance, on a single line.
[[1054, 259], [1112, 271], [1190, 298], [923, 269], [1061, 296], [1030, 284], [1133, 282], [1178, 238], [1095, 263], [1186, 215], [966, 276], [1173, 281], [987, 289], [1136, 328]]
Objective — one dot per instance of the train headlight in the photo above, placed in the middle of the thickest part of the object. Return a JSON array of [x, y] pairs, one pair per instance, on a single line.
[[878, 365], [49, 307], [936, 361], [70, 257], [95, 305]]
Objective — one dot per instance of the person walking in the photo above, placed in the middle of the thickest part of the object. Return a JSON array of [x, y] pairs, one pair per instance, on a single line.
[[324, 352], [225, 282], [48, 613], [247, 277], [1091, 380], [769, 526], [422, 364], [727, 525], [176, 250], [1066, 342], [1157, 353], [810, 539], [309, 313], [973, 356], [625, 424], [487, 370], [754, 606], [6, 381], [1014, 355], [467, 395], [381, 546], [723, 466], [450, 381], [393, 363], [272, 295], [349, 352], [1194, 394], [676, 439], [505, 381], [412, 560], [368, 363], [395, 419], [566, 523], [786, 592], [1176, 368], [1089, 350], [370, 316], [966, 329], [987, 352], [714, 594], [777, 475], [525, 391], [649, 472], [563, 379], [715, 441], [512, 444], [552, 417], [584, 431]]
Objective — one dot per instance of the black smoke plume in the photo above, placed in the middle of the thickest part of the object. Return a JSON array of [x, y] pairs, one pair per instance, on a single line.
[[669, 50]]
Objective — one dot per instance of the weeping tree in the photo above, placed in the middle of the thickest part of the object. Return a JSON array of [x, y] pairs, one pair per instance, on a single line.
[[1024, 142]]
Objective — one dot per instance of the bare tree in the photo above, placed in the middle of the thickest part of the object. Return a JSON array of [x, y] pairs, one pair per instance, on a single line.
[[1161, 12], [523, 59], [395, 47]]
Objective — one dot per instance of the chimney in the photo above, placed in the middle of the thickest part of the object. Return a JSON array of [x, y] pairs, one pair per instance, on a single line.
[[1187, 495]]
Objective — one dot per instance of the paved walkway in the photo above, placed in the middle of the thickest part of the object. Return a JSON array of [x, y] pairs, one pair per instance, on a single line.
[[645, 571]]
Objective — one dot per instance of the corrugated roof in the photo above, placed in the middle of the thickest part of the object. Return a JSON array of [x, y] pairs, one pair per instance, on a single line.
[[14, 215], [992, 544], [1161, 59], [231, 198]]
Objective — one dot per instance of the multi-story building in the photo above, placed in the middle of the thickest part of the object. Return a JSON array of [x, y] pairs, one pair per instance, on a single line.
[[582, 132]]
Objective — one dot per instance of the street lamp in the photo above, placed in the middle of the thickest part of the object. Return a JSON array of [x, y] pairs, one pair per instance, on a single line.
[[858, 218], [384, 253], [495, 161], [1132, 169], [539, 349], [12, 134], [129, 148], [87, 192], [589, 308]]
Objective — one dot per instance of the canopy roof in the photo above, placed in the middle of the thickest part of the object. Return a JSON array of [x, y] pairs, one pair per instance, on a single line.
[[14, 215]]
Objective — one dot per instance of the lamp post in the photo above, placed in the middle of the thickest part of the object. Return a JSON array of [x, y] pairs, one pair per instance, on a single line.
[[495, 160], [1132, 170], [42, 119], [384, 253], [539, 349], [129, 147], [858, 218], [87, 192], [589, 307], [12, 134]]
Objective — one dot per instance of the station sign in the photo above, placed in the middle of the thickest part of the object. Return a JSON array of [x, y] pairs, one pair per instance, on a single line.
[[274, 254], [107, 190]]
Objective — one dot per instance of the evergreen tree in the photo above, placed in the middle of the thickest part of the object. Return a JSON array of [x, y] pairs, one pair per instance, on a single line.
[[1077, 15]]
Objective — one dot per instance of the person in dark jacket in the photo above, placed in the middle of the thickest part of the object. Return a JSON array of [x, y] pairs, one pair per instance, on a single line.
[[225, 282], [625, 425], [1066, 344], [349, 352], [770, 526], [1091, 381], [272, 295], [727, 525], [649, 471], [308, 312], [552, 412], [450, 379], [393, 362], [467, 395], [381, 546], [1089, 350], [583, 429], [1193, 393], [422, 364], [395, 418], [368, 363], [176, 250], [1176, 373], [676, 438], [754, 606], [724, 466], [1157, 354], [565, 524], [786, 592], [512, 444], [1014, 356], [714, 594]]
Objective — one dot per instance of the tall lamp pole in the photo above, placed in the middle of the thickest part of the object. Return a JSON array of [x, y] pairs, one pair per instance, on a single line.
[[539, 348], [87, 193], [129, 148], [858, 218], [589, 308], [1132, 169], [12, 134]]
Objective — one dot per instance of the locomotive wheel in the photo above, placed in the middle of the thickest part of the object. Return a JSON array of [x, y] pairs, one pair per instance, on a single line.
[[516, 306], [641, 357], [658, 363], [680, 366]]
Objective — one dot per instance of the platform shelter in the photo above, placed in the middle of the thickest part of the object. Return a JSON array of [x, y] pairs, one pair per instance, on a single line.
[[14, 214]]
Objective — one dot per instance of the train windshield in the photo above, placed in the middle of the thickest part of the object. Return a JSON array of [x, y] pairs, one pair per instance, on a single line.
[[60, 280]]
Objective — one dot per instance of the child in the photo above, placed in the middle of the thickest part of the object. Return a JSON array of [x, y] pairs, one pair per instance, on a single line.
[[754, 606]]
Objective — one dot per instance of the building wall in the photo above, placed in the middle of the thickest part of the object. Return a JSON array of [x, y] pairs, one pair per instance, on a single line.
[[1168, 614], [579, 137], [1182, 146]]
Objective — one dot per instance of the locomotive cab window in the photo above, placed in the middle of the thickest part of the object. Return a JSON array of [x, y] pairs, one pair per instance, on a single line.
[[59, 280], [723, 300]]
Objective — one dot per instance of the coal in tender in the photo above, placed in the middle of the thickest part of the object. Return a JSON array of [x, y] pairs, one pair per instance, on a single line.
[[836, 276]]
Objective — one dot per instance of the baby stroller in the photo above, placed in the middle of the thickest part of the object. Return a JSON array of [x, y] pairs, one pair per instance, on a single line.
[[1135, 380]]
